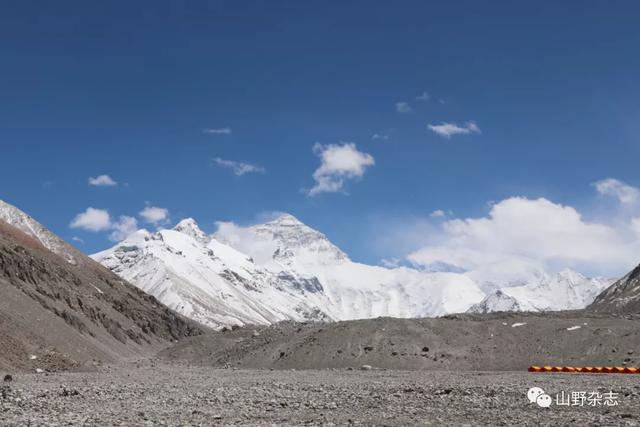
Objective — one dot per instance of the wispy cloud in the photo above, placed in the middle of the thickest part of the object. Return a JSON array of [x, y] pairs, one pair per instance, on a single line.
[[238, 168], [447, 130], [403, 107], [102, 181], [424, 96], [379, 136], [123, 228], [217, 131], [625, 193], [338, 163], [154, 215]]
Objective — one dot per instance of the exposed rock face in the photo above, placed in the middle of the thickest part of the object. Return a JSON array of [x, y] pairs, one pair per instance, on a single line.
[[68, 313], [23, 222], [622, 297]]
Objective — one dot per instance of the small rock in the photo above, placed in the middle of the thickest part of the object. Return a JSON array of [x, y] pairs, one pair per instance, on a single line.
[[366, 368], [66, 392], [8, 378], [39, 371], [425, 349]]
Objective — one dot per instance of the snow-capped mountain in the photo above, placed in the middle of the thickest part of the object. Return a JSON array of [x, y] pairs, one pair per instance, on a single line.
[[283, 269], [566, 290], [358, 290], [23, 222], [208, 281], [304, 277]]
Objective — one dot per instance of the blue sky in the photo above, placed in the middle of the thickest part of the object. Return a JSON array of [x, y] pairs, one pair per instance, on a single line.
[[127, 89]]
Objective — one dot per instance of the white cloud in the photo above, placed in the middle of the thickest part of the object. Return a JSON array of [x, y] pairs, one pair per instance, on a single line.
[[403, 107], [123, 228], [77, 239], [238, 168], [102, 181], [424, 96], [154, 215], [379, 136], [92, 220], [625, 193], [448, 130], [338, 163], [218, 131], [522, 232], [244, 240], [439, 213]]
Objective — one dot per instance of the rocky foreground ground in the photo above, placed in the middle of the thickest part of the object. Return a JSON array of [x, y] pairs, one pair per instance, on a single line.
[[176, 395]]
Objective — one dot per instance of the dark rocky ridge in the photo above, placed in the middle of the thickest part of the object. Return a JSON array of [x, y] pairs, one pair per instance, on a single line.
[[621, 297], [69, 315]]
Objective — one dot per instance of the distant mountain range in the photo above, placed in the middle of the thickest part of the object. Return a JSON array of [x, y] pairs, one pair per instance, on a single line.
[[300, 275], [306, 277]]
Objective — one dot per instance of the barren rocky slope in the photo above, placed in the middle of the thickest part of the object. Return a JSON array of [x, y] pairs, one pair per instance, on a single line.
[[57, 314], [621, 297], [501, 341]]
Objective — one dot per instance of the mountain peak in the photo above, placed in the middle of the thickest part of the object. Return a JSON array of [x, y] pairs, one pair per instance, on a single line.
[[291, 234], [571, 275], [286, 219], [25, 223], [190, 227]]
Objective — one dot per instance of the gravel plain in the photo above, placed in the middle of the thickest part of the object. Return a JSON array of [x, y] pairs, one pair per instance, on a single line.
[[153, 394]]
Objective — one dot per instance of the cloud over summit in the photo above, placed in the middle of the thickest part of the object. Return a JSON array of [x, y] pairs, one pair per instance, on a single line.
[[338, 163]]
